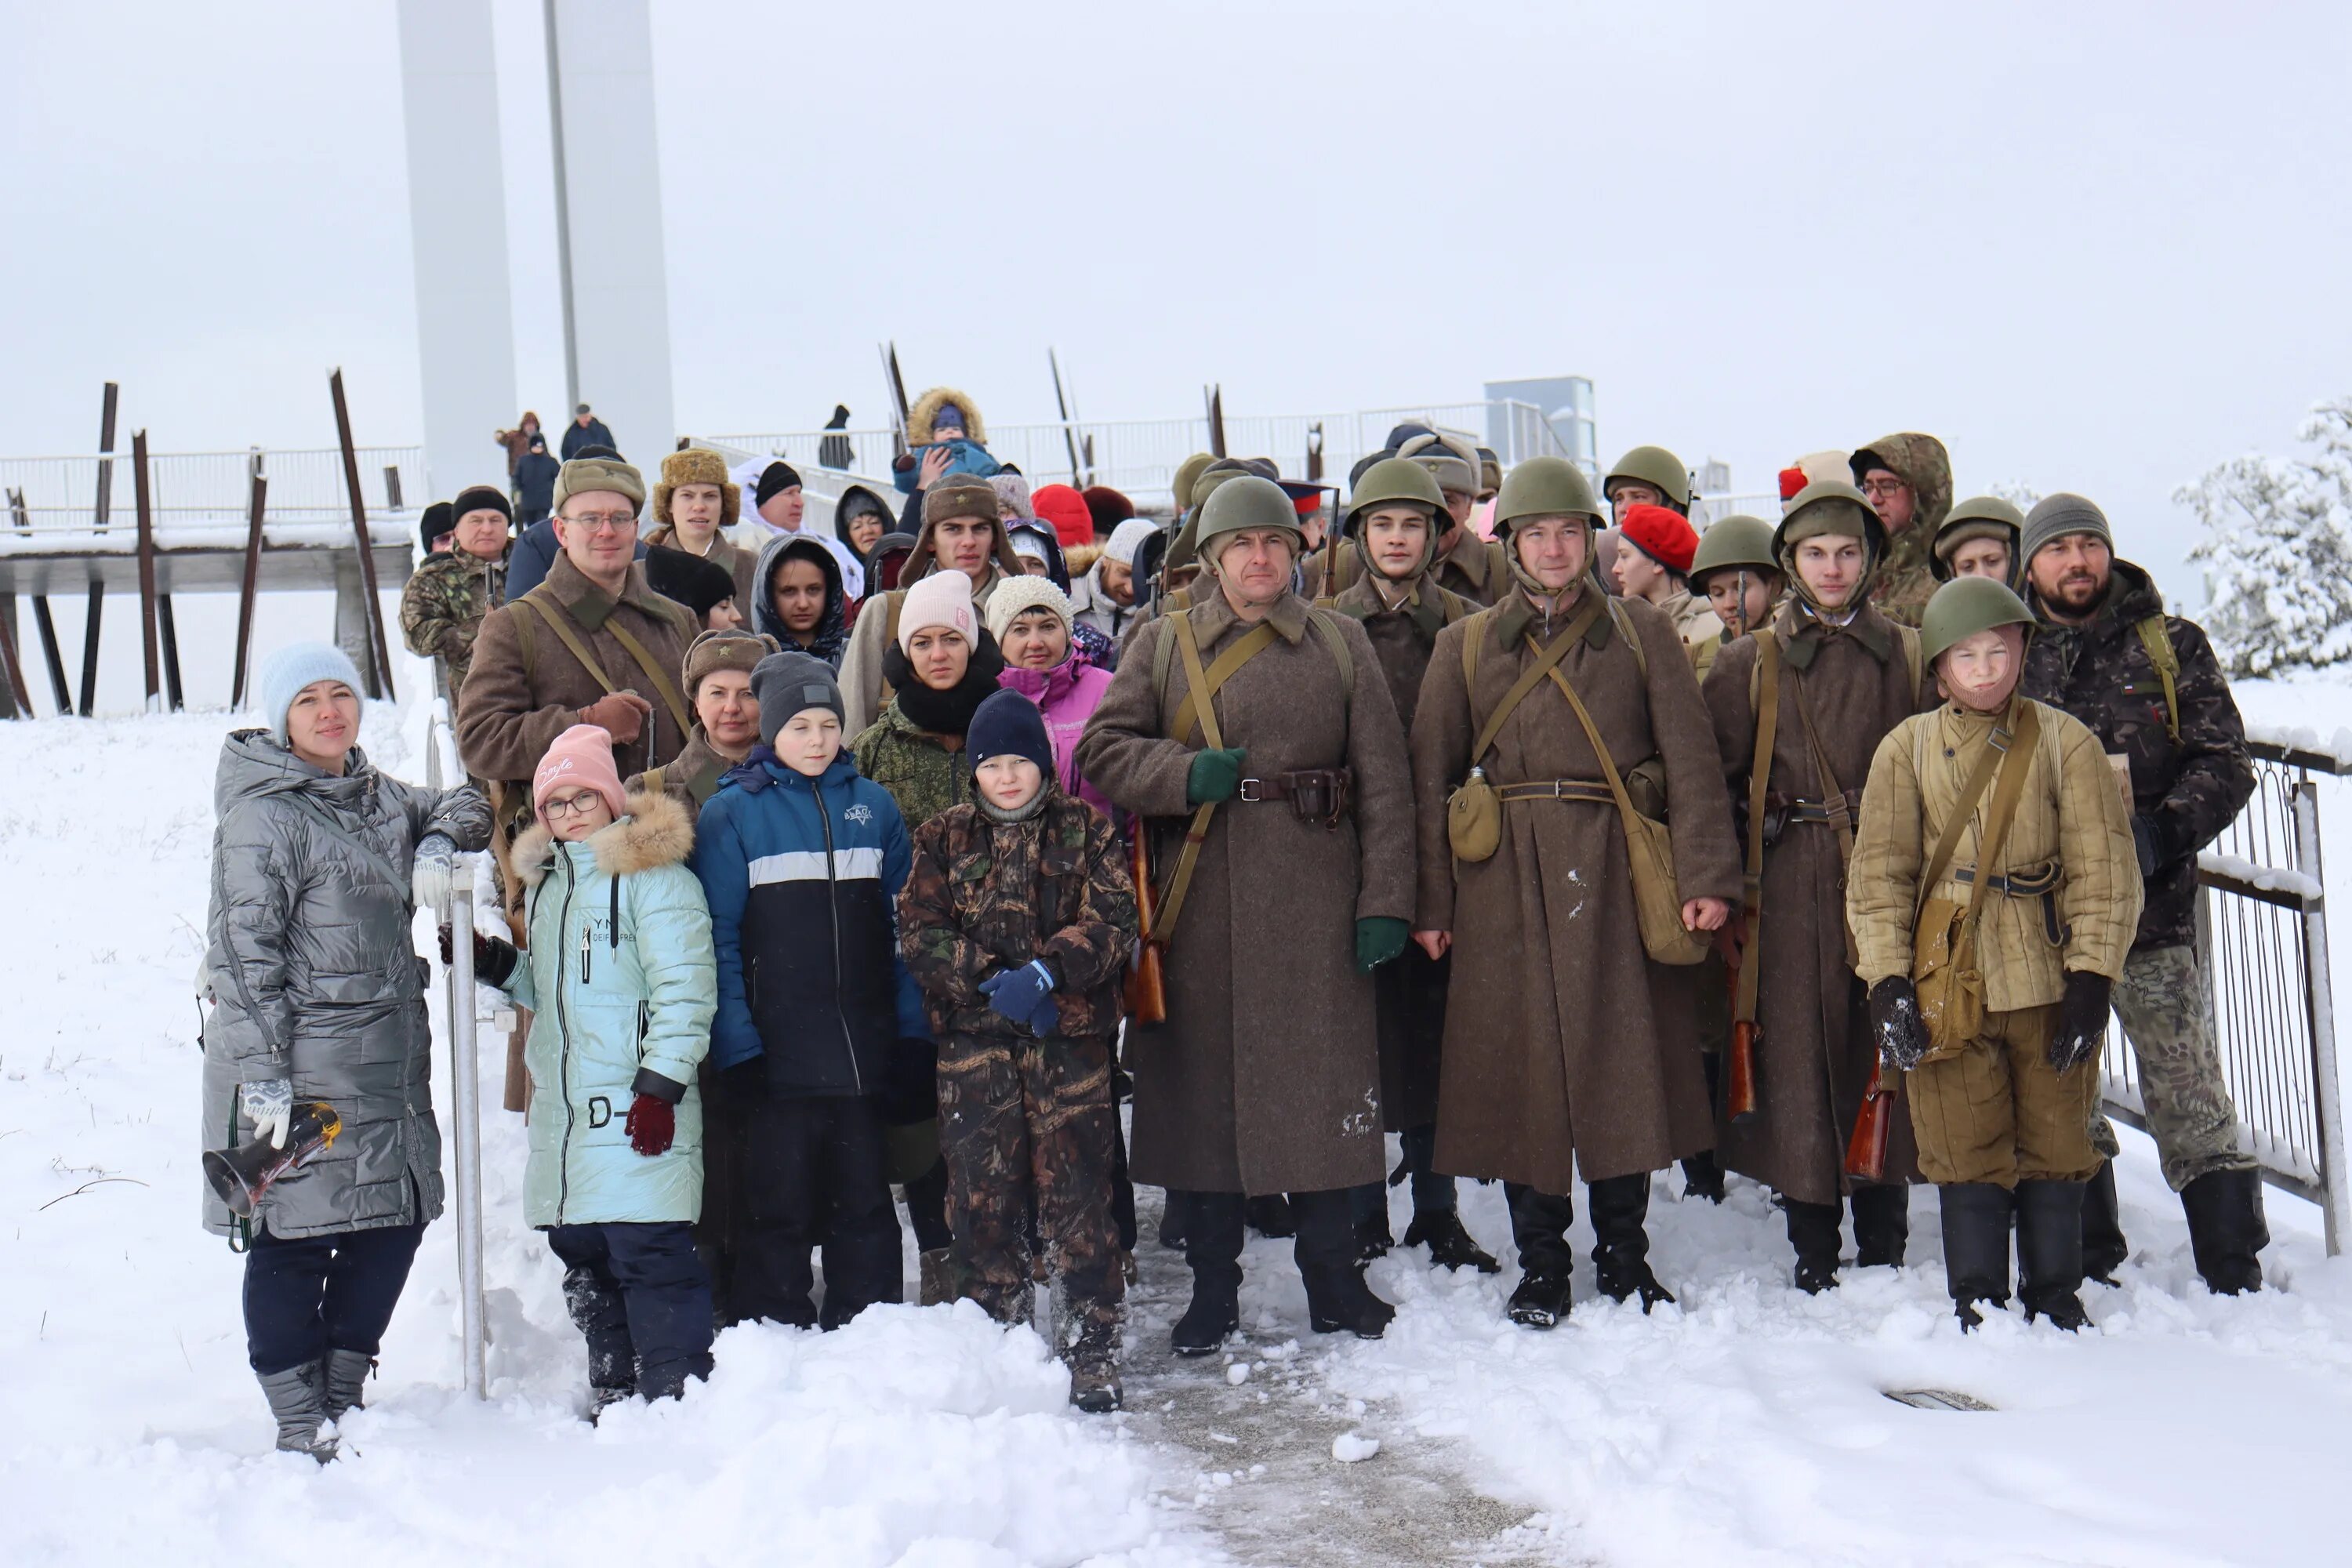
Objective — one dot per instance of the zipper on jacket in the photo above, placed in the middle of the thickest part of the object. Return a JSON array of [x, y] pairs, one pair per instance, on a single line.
[[563, 1041], [832, 908]]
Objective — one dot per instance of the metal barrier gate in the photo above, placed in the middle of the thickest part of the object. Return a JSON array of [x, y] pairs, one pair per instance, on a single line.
[[2262, 929]]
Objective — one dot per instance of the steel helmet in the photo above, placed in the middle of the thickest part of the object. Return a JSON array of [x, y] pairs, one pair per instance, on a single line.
[[1965, 607], [1978, 517], [1545, 487], [1656, 467], [1736, 540]]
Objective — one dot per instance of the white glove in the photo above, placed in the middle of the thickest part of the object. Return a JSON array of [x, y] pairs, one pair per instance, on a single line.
[[436, 867], [270, 1106]]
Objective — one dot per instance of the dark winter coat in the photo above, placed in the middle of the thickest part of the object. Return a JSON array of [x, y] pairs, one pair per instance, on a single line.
[[832, 638], [443, 604], [987, 896], [2185, 791], [1856, 683], [1265, 1077], [803, 877], [1565, 1048], [593, 434], [313, 977], [535, 474], [725, 554], [1403, 637]]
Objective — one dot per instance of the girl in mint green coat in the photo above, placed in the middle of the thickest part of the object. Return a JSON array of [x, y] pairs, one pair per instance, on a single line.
[[621, 984]]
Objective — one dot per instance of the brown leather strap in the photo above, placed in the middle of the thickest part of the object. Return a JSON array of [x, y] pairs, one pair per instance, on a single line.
[[1196, 708], [1592, 733], [558, 620], [1546, 661], [1760, 775], [2017, 759], [1586, 790], [1833, 796]]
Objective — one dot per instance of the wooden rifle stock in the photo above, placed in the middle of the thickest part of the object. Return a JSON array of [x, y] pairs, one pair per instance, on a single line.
[[1866, 1151], [1739, 1075], [1146, 994]]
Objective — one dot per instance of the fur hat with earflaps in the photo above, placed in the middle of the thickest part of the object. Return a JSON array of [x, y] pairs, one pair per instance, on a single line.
[[695, 466]]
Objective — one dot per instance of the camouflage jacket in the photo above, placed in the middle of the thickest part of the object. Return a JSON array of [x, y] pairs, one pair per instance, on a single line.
[[1904, 580], [921, 772], [443, 606], [985, 896], [2184, 792]]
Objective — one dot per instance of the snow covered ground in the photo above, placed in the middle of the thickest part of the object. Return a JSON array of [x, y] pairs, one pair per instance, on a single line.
[[1746, 1425]]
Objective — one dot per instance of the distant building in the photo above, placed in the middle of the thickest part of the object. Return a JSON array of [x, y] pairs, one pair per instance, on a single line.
[[1565, 404]]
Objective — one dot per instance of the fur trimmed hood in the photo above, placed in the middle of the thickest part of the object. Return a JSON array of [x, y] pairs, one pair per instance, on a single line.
[[920, 417], [657, 831]]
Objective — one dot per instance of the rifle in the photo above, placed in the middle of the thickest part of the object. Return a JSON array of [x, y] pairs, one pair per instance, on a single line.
[[1069, 434], [895, 385], [1866, 1151], [1739, 1063], [1215, 396], [1146, 994]]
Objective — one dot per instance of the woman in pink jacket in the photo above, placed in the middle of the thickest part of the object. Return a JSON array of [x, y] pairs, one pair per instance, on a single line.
[[1030, 618]]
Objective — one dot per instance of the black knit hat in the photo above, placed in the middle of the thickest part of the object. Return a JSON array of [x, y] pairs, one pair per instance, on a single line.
[[773, 478], [483, 497], [689, 579], [1007, 723], [790, 683], [439, 521]]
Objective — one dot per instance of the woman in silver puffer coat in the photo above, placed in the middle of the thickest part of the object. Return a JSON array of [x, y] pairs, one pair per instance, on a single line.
[[318, 995]]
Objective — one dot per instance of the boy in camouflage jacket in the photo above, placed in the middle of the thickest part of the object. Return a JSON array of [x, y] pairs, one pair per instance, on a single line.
[[1016, 921]]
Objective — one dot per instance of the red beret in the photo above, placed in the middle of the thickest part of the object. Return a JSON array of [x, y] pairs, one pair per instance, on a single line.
[[1792, 480], [1663, 534]]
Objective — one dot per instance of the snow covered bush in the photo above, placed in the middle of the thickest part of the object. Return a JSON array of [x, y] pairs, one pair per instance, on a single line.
[[2277, 551]]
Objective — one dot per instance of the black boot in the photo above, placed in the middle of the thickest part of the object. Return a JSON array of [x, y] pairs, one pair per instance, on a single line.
[[1976, 1245], [295, 1399], [2226, 1230], [603, 1320], [2049, 1252], [1882, 1225], [342, 1380], [1450, 1246], [1172, 1215], [2104, 1247], [1703, 1178], [1371, 1205], [1813, 1232], [1539, 1223], [1093, 1361], [1270, 1218], [1212, 1246], [1621, 1249]]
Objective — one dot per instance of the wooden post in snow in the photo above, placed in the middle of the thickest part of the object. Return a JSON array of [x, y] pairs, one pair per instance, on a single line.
[[379, 645], [146, 568], [247, 588]]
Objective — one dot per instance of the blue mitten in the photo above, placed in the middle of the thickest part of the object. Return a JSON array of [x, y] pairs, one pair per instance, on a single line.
[[1015, 994]]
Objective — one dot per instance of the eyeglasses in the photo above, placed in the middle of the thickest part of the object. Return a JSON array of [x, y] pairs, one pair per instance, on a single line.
[[598, 521], [573, 805]]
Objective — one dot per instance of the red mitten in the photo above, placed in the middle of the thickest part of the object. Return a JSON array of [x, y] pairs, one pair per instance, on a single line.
[[652, 1124]]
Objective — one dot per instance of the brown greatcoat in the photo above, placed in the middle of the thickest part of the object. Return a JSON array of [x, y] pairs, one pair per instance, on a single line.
[[1265, 1077], [691, 777], [1412, 990], [1813, 1050], [731, 558], [508, 717], [1565, 1048]]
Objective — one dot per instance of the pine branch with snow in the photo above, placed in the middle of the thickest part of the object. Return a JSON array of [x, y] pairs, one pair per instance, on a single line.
[[2278, 550]]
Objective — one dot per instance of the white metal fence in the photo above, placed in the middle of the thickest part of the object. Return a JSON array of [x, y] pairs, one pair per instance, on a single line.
[[60, 495]]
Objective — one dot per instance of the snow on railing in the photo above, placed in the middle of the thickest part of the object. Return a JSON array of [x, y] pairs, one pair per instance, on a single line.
[[2298, 746], [60, 495]]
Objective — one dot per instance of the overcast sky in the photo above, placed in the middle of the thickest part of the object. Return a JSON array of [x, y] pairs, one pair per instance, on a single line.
[[2092, 247]]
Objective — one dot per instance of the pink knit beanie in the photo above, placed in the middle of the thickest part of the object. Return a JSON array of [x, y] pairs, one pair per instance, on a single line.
[[941, 599], [581, 758]]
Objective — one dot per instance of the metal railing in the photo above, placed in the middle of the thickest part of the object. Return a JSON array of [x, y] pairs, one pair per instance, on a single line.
[[1140, 457], [306, 485], [1711, 508], [2261, 933]]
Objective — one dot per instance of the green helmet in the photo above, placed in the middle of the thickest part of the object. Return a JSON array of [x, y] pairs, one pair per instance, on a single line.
[[1187, 473], [1978, 517], [1395, 481], [1656, 467], [1729, 542], [1242, 503], [1965, 607], [1544, 487]]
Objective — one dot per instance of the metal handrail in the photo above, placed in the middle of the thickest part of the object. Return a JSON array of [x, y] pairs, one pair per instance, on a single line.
[[441, 767]]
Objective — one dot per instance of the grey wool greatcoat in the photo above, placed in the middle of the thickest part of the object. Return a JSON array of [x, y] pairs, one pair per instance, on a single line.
[[1266, 1077], [314, 978], [1566, 1048], [1813, 1050]]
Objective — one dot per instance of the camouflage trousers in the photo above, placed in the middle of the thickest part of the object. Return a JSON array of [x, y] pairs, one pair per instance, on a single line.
[[1026, 1128], [2163, 1002]]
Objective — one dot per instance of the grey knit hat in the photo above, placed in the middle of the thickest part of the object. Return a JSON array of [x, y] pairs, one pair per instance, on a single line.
[[2054, 517], [789, 683]]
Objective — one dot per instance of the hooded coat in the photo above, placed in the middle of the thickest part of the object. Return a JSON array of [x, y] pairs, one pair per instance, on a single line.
[[876, 630], [313, 977], [2185, 791], [841, 517], [969, 455], [1906, 577], [1813, 1047], [1266, 1077], [619, 980], [832, 637], [1567, 1050]]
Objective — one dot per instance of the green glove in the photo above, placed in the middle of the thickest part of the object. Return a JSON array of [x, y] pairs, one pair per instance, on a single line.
[[1215, 775], [1378, 939]]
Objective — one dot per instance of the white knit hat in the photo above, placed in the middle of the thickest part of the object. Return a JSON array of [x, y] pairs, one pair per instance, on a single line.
[[941, 599], [291, 670], [1015, 594], [1127, 539]]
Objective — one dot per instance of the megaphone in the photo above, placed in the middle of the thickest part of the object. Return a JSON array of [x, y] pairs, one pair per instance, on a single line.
[[240, 1177]]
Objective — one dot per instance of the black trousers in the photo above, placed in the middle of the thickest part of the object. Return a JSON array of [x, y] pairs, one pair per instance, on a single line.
[[1213, 1232], [813, 1177], [926, 1208], [306, 1296], [640, 1296]]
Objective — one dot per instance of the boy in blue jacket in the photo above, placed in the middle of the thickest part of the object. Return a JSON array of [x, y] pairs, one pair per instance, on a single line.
[[802, 861]]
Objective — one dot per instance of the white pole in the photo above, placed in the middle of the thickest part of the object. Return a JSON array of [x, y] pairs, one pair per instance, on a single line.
[[465, 1107], [2319, 997]]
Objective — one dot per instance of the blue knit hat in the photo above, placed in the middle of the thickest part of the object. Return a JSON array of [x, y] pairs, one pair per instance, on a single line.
[[1008, 724], [291, 670]]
